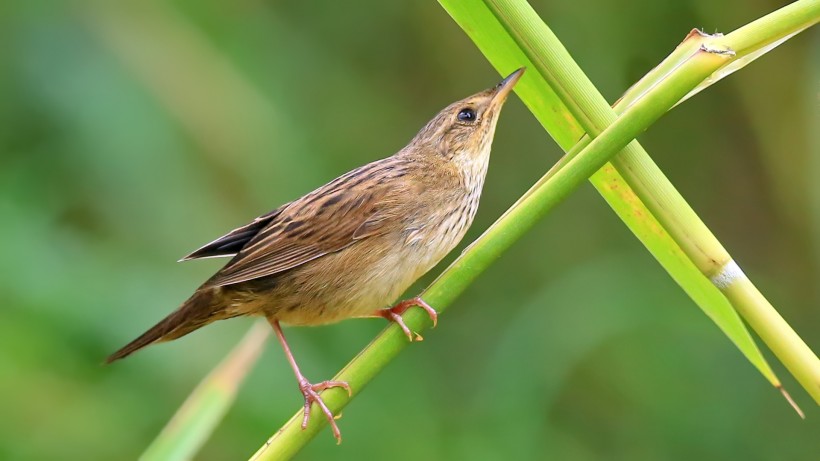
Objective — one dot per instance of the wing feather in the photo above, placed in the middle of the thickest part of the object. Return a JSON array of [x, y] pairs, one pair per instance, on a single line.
[[231, 243], [351, 208]]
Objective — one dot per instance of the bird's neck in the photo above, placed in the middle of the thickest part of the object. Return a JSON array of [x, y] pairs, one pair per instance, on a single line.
[[473, 167]]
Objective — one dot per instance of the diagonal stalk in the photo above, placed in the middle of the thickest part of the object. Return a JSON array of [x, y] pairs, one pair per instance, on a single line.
[[539, 92], [648, 182]]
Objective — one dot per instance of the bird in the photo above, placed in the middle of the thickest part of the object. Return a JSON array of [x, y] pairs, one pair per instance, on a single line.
[[351, 247]]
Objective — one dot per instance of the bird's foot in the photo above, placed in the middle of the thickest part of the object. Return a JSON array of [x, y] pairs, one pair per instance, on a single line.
[[394, 314], [311, 393]]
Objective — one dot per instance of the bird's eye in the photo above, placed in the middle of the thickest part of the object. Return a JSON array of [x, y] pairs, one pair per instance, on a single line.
[[466, 115]]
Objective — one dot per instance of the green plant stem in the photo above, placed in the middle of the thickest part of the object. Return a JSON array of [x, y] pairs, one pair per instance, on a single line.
[[290, 438], [776, 332], [488, 28], [647, 180]]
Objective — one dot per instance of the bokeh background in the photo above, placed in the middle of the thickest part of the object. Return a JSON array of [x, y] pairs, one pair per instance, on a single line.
[[133, 132]]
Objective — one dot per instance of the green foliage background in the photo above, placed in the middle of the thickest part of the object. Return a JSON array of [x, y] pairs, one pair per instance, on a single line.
[[132, 132]]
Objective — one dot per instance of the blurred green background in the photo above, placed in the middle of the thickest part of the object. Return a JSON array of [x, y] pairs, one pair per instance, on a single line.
[[133, 132]]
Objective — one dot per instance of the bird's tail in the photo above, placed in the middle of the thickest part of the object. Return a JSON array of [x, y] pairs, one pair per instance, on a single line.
[[194, 313]]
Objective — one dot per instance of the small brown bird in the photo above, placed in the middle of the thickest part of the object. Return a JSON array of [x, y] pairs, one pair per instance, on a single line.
[[354, 245]]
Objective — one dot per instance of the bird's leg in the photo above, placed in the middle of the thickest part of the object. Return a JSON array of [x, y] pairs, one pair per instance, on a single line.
[[394, 314], [310, 391]]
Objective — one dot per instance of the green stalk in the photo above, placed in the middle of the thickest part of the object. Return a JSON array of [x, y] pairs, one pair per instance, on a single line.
[[491, 33], [196, 419], [646, 179], [290, 438]]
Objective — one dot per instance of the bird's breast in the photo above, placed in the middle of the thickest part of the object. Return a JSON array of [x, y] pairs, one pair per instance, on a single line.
[[444, 227]]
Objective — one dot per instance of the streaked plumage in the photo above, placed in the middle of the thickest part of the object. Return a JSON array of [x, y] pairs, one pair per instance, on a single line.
[[354, 245]]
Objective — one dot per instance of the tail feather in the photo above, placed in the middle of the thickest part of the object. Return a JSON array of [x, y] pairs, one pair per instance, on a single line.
[[196, 312]]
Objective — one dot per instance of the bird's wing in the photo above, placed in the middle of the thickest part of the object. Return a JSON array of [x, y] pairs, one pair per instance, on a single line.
[[232, 243], [352, 207]]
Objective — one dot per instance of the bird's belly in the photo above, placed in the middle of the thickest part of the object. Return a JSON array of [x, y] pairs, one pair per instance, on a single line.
[[358, 280]]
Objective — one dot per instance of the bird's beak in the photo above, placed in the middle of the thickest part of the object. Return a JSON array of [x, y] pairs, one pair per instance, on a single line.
[[506, 85]]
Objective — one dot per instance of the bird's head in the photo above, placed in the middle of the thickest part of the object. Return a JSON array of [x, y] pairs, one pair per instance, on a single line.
[[463, 131]]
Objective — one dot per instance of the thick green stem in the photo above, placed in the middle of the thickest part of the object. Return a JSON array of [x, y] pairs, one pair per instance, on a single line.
[[648, 181], [490, 31]]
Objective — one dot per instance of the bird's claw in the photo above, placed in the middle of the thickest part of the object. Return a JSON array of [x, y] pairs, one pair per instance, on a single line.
[[394, 314], [311, 394]]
